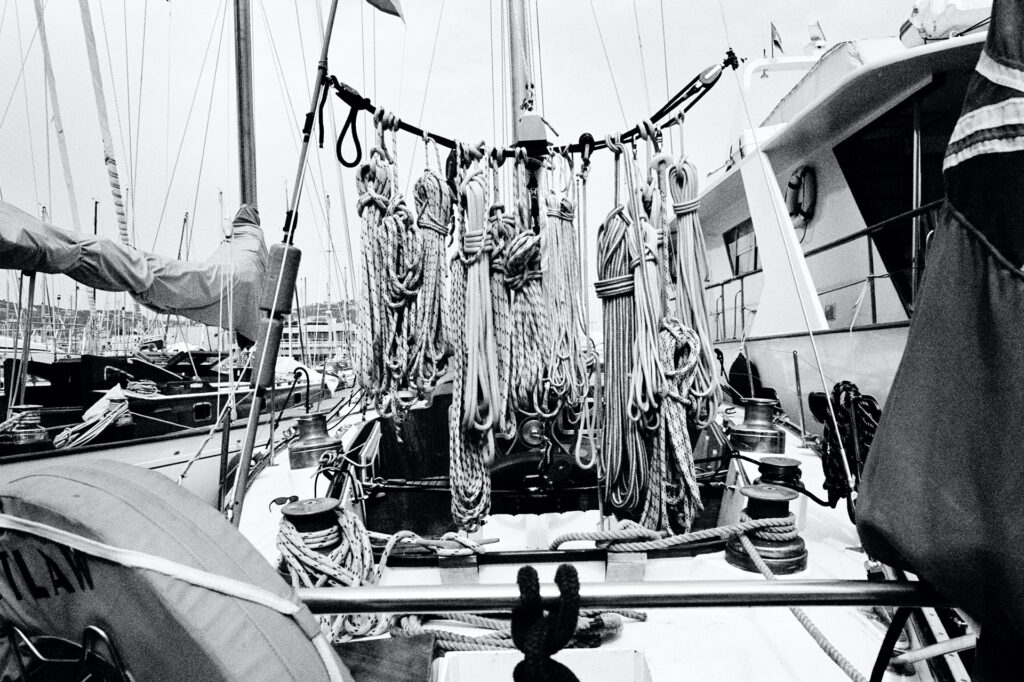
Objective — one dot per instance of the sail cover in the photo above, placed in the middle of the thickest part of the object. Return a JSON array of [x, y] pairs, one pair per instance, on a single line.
[[943, 487], [193, 289]]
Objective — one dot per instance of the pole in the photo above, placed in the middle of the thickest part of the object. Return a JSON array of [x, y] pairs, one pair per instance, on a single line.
[[26, 341], [243, 79], [915, 201], [521, 78], [799, 396], [633, 595], [58, 122], [270, 333]]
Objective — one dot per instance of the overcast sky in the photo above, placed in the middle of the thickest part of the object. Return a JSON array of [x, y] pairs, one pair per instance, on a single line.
[[152, 52]]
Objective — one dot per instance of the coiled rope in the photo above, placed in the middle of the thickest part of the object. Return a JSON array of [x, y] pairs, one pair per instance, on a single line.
[[567, 373], [470, 420], [350, 564], [530, 335], [393, 269], [691, 270], [673, 481], [429, 346], [621, 448], [502, 228], [87, 431]]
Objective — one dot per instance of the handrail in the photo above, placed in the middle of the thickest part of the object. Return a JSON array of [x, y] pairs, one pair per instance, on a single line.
[[874, 228], [639, 595], [841, 241]]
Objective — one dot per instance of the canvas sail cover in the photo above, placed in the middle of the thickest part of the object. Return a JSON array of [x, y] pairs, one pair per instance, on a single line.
[[197, 290], [943, 488]]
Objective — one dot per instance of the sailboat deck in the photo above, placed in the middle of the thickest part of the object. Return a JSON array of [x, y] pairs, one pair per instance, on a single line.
[[703, 642]]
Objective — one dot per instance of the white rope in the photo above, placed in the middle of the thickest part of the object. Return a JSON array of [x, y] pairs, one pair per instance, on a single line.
[[567, 375], [691, 270], [471, 419]]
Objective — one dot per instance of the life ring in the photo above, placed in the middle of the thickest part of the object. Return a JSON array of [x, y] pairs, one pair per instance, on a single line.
[[802, 195], [206, 606]]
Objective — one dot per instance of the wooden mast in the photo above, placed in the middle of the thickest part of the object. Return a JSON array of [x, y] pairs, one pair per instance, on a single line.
[[244, 93]]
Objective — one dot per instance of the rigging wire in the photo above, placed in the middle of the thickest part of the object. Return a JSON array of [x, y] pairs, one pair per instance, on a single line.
[[28, 116], [540, 60], [426, 90], [206, 129], [138, 115], [188, 119], [24, 60], [608, 61], [664, 60], [643, 62], [792, 266], [286, 99]]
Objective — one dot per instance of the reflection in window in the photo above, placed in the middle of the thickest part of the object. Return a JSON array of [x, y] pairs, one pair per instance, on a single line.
[[741, 246]]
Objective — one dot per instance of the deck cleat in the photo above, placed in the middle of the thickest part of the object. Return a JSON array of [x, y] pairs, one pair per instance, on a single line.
[[782, 556], [758, 433]]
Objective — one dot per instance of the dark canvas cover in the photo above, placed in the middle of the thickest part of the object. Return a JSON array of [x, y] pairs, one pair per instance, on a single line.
[[943, 489]]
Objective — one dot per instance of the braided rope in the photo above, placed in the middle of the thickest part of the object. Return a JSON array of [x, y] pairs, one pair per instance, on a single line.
[[428, 342], [471, 443], [817, 635], [530, 331], [621, 446], [502, 228], [629, 536], [673, 480], [567, 373], [692, 274]]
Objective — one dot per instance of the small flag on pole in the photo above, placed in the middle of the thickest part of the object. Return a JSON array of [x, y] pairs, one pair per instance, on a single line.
[[817, 33], [392, 7], [776, 40]]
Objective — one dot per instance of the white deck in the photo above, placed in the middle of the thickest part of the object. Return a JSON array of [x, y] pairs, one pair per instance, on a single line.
[[701, 643]]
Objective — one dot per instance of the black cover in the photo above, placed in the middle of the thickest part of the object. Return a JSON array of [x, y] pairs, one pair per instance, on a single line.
[[943, 489]]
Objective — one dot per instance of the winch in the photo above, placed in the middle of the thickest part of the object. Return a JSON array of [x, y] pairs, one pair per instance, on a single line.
[[757, 432], [307, 451], [28, 432], [316, 517], [782, 556]]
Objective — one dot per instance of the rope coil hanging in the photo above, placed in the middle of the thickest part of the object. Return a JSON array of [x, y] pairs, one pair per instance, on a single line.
[[393, 268], [530, 333], [428, 341], [471, 441], [567, 372]]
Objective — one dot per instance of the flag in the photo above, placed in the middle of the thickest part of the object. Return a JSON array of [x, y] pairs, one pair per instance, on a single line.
[[392, 7], [941, 491], [817, 33], [776, 40]]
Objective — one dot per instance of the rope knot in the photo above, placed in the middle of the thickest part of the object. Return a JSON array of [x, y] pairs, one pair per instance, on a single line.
[[522, 260]]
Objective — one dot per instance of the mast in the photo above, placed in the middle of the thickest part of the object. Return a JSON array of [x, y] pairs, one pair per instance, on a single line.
[[243, 80], [58, 122], [528, 128], [279, 287]]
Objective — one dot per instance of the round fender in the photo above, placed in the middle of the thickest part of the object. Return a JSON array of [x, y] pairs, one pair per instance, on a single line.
[[802, 195], [164, 625]]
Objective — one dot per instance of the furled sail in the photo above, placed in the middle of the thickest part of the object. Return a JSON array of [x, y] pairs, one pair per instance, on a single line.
[[197, 290], [941, 492]]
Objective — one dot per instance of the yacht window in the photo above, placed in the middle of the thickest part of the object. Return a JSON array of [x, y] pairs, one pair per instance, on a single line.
[[741, 246]]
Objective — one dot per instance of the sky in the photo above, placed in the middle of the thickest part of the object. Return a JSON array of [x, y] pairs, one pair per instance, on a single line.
[[168, 74]]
